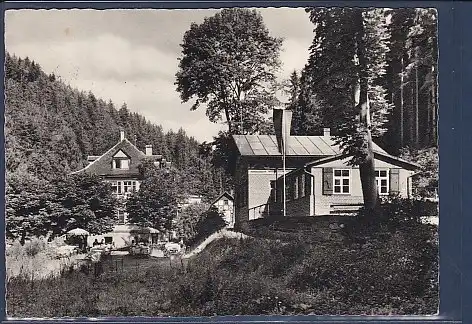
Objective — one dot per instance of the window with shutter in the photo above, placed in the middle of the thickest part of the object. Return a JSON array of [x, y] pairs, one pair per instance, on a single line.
[[342, 181], [381, 178]]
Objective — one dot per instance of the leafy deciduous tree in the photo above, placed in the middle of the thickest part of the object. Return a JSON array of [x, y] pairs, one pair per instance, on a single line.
[[155, 204], [228, 63]]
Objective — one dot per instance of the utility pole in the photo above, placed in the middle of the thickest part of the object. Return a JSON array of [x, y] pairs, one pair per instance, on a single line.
[[284, 148]]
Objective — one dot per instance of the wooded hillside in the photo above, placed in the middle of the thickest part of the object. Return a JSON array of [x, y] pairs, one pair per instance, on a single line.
[[51, 128]]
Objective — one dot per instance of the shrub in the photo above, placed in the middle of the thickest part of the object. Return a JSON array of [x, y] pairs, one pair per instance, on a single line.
[[196, 222], [34, 246], [393, 213]]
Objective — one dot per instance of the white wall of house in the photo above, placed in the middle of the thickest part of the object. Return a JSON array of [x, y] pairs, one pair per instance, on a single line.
[[320, 203], [259, 190], [121, 236], [226, 207], [122, 188]]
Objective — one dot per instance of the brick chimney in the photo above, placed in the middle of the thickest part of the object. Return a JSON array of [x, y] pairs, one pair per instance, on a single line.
[[326, 132], [148, 150], [122, 134]]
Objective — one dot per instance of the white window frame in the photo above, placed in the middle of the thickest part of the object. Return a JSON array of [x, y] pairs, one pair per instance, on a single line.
[[122, 216], [378, 180], [120, 187], [115, 166], [127, 186], [295, 188], [288, 191], [341, 179]]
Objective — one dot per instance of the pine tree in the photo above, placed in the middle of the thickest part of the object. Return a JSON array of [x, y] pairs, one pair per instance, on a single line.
[[347, 59]]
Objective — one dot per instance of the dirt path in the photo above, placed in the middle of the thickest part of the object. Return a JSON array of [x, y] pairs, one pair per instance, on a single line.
[[215, 236]]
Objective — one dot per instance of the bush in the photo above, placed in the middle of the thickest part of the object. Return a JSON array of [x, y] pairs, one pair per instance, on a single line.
[[196, 222], [392, 213], [34, 246]]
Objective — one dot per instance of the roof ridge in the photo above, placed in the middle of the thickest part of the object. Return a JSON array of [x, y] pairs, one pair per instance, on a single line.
[[99, 157], [124, 142]]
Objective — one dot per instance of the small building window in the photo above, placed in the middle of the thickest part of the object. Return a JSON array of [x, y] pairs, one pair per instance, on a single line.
[[123, 187], [108, 240], [381, 178], [116, 187], [342, 181], [121, 216], [120, 163], [127, 186], [288, 191]]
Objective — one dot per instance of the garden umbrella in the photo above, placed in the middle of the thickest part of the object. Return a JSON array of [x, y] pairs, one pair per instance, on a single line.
[[152, 230], [78, 232]]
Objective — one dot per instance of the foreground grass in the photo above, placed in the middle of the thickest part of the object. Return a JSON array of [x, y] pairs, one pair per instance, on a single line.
[[386, 273]]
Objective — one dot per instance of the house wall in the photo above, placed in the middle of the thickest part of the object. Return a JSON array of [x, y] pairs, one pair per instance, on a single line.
[[321, 204], [300, 207], [228, 212], [252, 183], [123, 236], [122, 195], [120, 239]]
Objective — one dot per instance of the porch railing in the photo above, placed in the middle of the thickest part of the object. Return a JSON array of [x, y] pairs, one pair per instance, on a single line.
[[264, 211]]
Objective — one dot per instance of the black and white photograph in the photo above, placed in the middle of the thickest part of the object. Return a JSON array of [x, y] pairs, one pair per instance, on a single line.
[[225, 161]]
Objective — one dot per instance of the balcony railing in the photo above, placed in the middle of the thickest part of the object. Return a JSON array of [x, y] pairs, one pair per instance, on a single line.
[[264, 211]]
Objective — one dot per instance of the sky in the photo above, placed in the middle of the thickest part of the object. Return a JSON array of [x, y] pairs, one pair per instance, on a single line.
[[132, 55]]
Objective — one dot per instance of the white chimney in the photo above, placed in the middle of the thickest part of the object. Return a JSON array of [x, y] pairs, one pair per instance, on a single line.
[[149, 150], [122, 135], [326, 132]]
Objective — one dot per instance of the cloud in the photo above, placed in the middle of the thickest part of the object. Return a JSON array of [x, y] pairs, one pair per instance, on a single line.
[[294, 56], [104, 56], [131, 55]]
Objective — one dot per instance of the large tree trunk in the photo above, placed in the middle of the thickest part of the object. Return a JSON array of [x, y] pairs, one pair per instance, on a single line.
[[367, 165], [228, 120], [402, 141], [433, 108], [417, 135]]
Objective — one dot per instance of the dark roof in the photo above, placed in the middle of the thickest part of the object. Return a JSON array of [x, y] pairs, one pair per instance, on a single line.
[[266, 145], [103, 165], [224, 194]]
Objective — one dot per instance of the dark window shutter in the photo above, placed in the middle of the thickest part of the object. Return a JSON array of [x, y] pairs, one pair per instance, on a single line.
[[394, 181], [327, 181]]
